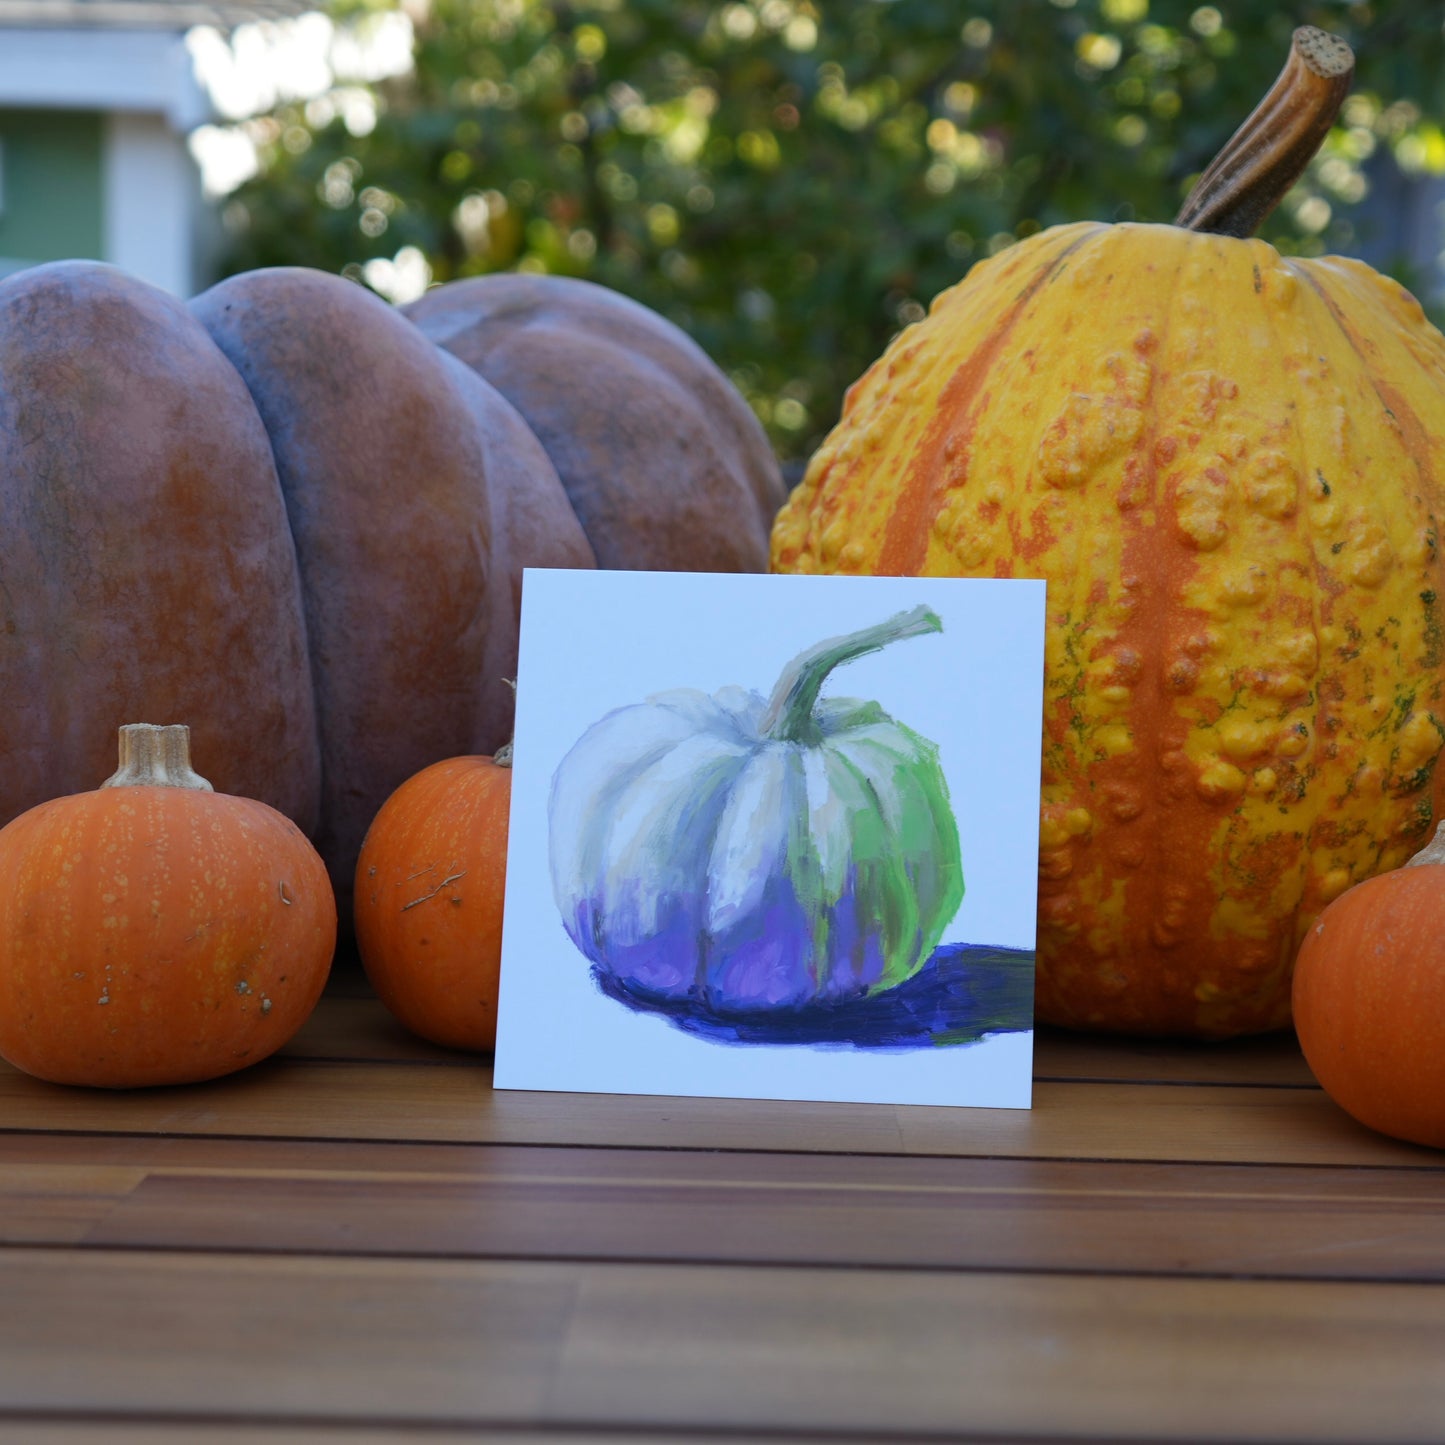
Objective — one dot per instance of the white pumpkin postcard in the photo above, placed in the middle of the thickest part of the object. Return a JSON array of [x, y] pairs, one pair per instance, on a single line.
[[774, 837]]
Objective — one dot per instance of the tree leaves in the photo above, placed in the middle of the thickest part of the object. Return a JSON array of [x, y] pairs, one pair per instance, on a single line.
[[792, 182]]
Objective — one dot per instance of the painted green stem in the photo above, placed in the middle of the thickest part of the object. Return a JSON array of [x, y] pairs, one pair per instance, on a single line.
[[789, 714]]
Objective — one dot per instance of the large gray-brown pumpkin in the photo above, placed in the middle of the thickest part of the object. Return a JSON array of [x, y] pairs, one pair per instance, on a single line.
[[659, 454], [402, 472], [146, 567], [283, 515]]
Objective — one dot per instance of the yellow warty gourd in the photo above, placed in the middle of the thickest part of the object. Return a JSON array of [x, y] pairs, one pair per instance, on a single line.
[[1229, 466]]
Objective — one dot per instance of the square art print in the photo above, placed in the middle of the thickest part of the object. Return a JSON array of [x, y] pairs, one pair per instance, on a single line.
[[774, 837]]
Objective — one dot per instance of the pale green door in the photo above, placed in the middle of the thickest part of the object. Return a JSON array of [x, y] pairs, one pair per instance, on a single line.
[[51, 195]]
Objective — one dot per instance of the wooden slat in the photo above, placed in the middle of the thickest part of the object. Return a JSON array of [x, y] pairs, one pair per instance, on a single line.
[[576, 1345], [358, 1028], [1273, 1059], [235, 1336], [52, 1203], [939, 1213], [291, 1098], [1184, 1123], [354, 1025], [193, 1431], [362, 1240]]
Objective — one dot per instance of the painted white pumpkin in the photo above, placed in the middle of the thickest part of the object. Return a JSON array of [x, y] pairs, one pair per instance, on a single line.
[[752, 854]]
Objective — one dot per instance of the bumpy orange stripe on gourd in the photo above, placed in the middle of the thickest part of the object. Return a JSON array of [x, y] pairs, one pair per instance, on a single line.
[[1242, 575], [1243, 688], [888, 410], [1108, 778], [1103, 778], [940, 455]]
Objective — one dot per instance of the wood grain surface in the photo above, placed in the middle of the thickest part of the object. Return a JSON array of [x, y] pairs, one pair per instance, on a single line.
[[360, 1240]]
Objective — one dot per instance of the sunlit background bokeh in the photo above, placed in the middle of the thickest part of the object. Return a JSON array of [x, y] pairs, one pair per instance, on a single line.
[[791, 182]]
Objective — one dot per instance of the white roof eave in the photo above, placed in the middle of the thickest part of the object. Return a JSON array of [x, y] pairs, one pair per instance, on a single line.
[[99, 69]]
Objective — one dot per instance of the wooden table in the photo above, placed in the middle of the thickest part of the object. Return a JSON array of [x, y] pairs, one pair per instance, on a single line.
[[360, 1241]]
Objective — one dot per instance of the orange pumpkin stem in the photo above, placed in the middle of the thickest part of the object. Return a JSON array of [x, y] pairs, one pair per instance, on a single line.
[[1269, 152], [156, 755], [1432, 852], [503, 756]]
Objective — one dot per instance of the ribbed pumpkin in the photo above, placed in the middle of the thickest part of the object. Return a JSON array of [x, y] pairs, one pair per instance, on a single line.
[[326, 516], [430, 883], [1369, 999], [657, 451], [155, 931], [1228, 465], [746, 854]]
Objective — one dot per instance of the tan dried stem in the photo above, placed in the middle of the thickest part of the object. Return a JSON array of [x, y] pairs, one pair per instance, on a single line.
[[1432, 852], [156, 755], [1270, 151], [503, 756]]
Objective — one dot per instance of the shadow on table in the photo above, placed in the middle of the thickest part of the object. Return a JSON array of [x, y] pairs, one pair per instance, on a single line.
[[965, 992]]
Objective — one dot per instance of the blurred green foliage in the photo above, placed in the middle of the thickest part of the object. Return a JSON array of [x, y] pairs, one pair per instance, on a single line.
[[792, 181]]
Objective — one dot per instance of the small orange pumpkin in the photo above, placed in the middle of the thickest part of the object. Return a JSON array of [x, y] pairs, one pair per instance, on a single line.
[[1369, 999], [155, 931], [428, 901]]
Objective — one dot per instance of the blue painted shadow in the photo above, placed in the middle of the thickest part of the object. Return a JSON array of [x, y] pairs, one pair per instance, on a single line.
[[964, 992]]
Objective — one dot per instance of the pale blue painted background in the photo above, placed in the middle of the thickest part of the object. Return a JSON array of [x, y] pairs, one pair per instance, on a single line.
[[594, 641]]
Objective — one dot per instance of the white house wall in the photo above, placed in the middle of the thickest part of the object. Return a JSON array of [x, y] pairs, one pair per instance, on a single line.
[[143, 83], [151, 192]]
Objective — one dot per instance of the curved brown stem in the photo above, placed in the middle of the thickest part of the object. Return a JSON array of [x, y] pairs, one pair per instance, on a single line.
[[1269, 152]]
